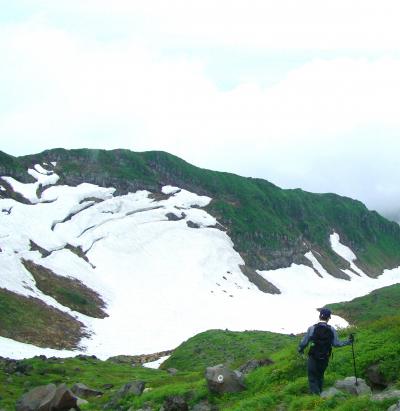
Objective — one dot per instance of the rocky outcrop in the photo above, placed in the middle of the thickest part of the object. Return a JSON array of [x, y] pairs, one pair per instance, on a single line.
[[221, 379], [138, 360], [48, 398], [254, 364], [131, 388], [204, 406], [375, 377], [353, 386], [81, 390], [394, 407], [260, 282], [175, 403]]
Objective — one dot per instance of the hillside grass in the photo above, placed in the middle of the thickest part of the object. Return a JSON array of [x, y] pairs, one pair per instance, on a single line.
[[30, 320], [69, 292], [383, 302], [232, 348]]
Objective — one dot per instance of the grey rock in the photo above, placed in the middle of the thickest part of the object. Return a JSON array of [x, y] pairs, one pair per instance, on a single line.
[[175, 403], [63, 399], [375, 377], [204, 406], [254, 364], [387, 394], [221, 379], [172, 371], [191, 224], [81, 390], [107, 386], [331, 392], [394, 407], [31, 400], [133, 387], [349, 385], [47, 398], [81, 401]]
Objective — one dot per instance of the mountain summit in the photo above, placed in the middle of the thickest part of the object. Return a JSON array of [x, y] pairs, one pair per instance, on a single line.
[[116, 252]]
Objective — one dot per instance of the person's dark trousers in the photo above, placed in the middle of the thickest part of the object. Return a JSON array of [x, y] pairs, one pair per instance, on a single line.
[[316, 369]]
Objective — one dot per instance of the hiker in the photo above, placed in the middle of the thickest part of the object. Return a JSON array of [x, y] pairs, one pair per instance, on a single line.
[[322, 337]]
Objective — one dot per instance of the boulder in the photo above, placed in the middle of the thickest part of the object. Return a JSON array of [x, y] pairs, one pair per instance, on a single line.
[[47, 398], [62, 400], [331, 392], [81, 390], [107, 386], [253, 364], [387, 394], [349, 385], [172, 371], [394, 407], [133, 387], [221, 379], [16, 367], [175, 403], [375, 377], [31, 400], [204, 406], [81, 401]]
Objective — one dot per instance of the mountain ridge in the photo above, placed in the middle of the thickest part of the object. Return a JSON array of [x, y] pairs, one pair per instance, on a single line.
[[270, 227]]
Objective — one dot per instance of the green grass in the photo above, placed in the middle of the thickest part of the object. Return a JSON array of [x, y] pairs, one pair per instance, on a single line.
[[32, 321], [229, 347], [67, 291], [379, 303]]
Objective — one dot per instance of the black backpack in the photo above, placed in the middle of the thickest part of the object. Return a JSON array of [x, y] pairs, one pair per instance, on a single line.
[[321, 341]]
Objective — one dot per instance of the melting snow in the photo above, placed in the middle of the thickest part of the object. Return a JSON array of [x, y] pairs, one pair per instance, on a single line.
[[162, 281], [157, 363]]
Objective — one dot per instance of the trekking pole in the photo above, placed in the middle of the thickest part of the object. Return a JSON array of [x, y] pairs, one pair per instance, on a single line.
[[354, 361]]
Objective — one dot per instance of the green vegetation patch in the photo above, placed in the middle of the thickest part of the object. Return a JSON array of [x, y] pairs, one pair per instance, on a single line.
[[225, 347], [30, 320], [375, 305], [69, 292]]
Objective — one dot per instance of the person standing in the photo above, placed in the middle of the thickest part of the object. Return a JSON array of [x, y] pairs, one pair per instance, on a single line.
[[322, 337]]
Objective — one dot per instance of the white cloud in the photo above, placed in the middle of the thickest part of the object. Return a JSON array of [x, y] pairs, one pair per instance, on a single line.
[[320, 127], [287, 24]]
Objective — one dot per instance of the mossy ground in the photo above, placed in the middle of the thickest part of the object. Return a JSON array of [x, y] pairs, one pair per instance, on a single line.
[[30, 320]]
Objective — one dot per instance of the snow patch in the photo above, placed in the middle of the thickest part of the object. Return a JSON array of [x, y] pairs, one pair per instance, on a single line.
[[345, 252], [41, 170], [17, 350], [170, 190], [156, 364]]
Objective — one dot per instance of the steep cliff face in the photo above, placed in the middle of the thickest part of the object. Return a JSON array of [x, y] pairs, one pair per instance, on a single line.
[[270, 227]]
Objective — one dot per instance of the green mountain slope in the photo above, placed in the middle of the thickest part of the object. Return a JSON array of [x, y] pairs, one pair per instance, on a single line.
[[227, 347], [383, 302], [270, 227]]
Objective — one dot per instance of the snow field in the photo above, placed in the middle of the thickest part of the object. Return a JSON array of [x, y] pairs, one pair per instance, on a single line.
[[162, 281]]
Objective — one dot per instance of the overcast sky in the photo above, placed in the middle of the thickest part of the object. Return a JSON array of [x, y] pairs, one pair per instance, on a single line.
[[301, 93]]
